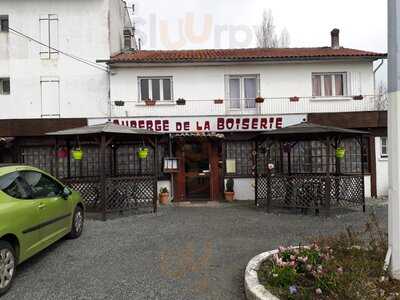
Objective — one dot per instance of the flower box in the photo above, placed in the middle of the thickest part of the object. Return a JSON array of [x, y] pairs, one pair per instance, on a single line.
[[294, 99], [150, 102], [119, 103], [181, 101], [218, 101], [358, 97], [259, 100]]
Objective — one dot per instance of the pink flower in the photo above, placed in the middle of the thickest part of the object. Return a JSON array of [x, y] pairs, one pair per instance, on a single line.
[[340, 270], [309, 267], [318, 291], [281, 248], [292, 264], [292, 257]]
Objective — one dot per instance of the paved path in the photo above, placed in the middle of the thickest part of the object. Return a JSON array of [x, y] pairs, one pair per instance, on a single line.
[[182, 253]]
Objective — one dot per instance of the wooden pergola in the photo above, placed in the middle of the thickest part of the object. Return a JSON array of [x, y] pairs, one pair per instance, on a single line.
[[299, 167], [109, 180]]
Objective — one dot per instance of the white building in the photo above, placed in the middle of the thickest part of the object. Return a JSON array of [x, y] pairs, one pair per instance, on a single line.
[[38, 81], [327, 85]]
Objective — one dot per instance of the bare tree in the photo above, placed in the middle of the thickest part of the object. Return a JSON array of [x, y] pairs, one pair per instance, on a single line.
[[266, 35], [381, 99], [284, 39]]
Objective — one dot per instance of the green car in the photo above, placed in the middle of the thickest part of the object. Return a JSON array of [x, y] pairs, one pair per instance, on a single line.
[[35, 211]]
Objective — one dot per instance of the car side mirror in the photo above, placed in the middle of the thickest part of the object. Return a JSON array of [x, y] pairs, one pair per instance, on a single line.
[[66, 193]]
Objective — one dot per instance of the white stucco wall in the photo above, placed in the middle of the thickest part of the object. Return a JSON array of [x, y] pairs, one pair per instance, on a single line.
[[197, 83], [382, 170], [83, 30]]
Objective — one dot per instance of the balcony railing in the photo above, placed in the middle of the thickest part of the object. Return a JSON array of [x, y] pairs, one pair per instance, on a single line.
[[270, 106]]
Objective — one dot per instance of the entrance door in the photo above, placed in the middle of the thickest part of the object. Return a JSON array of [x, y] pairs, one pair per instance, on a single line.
[[197, 171]]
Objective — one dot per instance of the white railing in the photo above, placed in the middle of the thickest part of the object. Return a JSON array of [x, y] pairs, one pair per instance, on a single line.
[[270, 106]]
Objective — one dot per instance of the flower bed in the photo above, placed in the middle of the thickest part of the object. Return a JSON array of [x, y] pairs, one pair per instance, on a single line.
[[348, 266]]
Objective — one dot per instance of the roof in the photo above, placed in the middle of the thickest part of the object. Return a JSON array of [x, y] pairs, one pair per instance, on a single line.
[[240, 55], [102, 128], [306, 128]]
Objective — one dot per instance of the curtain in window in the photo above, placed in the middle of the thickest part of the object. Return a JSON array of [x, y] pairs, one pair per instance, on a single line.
[[316, 85], [144, 89], [250, 92], [234, 92], [328, 85], [167, 89], [155, 88], [339, 91]]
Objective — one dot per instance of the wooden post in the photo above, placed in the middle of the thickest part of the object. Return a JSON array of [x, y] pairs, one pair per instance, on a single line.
[[156, 170], [328, 176], [362, 170], [256, 174], [103, 188]]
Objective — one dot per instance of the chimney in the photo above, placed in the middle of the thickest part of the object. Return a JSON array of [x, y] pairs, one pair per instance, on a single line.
[[335, 39]]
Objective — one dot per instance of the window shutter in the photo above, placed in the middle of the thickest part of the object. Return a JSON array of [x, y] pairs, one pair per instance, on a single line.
[[53, 34], [44, 36], [354, 81]]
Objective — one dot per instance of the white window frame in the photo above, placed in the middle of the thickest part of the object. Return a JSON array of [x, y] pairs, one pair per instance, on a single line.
[[242, 99], [2, 93], [161, 79], [384, 155], [332, 74]]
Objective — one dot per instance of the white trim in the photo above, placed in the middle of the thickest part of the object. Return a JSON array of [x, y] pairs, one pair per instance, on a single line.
[[332, 74], [161, 80]]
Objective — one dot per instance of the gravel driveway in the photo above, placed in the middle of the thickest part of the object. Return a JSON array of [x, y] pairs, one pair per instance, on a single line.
[[180, 253]]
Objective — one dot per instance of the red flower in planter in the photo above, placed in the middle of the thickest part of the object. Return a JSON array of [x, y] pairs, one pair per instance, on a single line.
[[259, 100], [150, 102], [219, 101], [294, 99], [358, 97]]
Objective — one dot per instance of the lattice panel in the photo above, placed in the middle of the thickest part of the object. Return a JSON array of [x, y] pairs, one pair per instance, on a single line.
[[89, 190], [129, 192], [309, 191]]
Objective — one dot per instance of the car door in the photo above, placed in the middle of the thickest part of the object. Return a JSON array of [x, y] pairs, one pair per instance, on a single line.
[[54, 209], [19, 213]]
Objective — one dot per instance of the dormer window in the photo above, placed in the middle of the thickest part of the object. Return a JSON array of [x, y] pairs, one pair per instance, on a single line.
[[127, 39]]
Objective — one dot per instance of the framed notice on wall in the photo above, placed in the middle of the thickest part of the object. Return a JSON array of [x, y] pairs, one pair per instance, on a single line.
[[171, 165], [230, 166]]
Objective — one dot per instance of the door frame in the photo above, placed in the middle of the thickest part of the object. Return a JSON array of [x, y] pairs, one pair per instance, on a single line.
[[215, 172]]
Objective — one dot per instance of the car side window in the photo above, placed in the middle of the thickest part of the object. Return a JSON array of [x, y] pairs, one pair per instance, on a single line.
[[13, 185], [42, 186]]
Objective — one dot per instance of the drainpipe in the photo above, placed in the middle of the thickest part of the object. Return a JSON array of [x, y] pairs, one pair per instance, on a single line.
[[376, 70]]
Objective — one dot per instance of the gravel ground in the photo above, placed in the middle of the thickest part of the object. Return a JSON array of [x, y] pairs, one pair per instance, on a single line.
[[180, 253]]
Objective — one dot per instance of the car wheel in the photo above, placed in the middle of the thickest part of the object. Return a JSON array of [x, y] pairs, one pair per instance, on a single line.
[[77, 223], [8, 266]]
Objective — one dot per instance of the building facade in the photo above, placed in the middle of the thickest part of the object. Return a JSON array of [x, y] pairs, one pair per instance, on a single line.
[[48, 52], [208, 104], [206, 101]]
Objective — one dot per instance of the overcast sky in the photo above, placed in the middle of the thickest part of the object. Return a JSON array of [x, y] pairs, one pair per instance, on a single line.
[[231, 23]]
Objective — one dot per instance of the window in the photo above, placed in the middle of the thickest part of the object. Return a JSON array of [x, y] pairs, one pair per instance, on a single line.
[[13, 185], [239, 154], [242, 91], [156, 88], [127, 39], [384, 147], [329, 84], [48, 36], [3, 23], [41, 185], [4, 86]]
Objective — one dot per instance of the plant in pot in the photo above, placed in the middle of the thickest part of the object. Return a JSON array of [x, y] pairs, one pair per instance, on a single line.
[[229, 192], [77, 153], [259, 99], [164, 195], [143, 152], [340, 152], [150, 102]]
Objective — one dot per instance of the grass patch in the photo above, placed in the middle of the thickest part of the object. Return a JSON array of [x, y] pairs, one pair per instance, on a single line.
[[346, 266]]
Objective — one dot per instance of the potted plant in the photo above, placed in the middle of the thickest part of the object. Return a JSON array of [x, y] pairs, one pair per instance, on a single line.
[[340, 152], [219, 101], [259, 99], [294, 99], [164, 195], [62, 153], [119, 103], [358, 97], [181, 101], [77, 153], [229, 192], [143, 152], [150, 102]]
